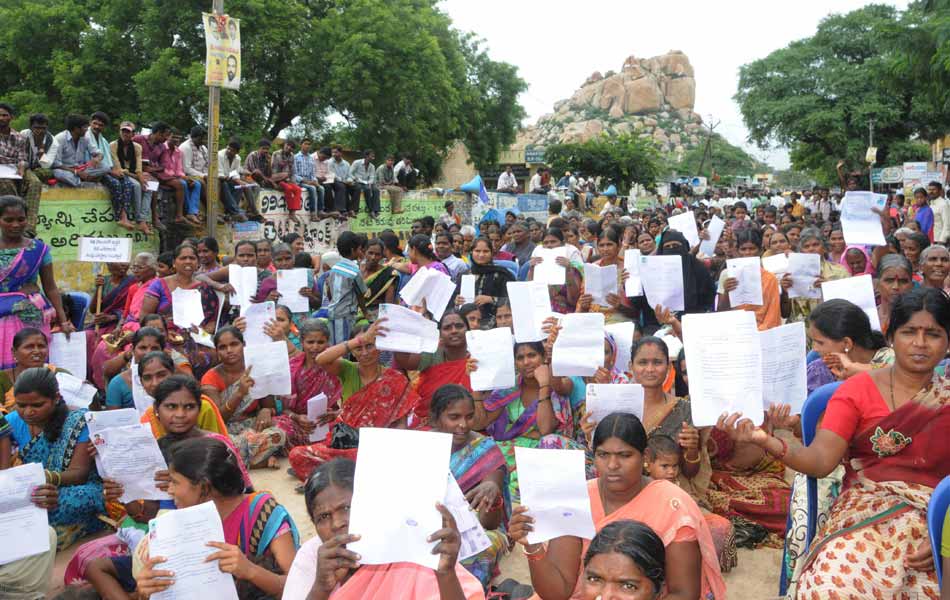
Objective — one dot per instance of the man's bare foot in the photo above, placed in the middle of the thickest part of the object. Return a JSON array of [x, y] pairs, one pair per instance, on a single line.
[[126, 224], [144, 228]]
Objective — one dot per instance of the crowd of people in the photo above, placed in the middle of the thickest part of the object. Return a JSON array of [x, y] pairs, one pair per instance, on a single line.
[[671, 502], [137, 167]]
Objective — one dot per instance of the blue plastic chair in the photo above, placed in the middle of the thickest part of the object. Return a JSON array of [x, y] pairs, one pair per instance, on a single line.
[[523, 271], [811, 357], [936, 513], [812, 410], [79, 301], [510, 265]]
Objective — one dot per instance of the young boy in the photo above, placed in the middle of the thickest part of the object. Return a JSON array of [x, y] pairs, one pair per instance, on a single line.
[[345, 287], [663, 457]]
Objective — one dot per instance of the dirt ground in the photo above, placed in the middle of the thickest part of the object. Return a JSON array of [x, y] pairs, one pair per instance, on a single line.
[[755, 577]]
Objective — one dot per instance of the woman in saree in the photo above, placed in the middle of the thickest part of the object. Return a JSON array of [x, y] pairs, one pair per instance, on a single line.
[[563, 297], [913, 244], [857, 261], [30, 350], [325, 570], [448, 364], [935, 266], [177, 410], [372, 396], [307, 380], [208, 255], [622, 492], [144, 269], [108, 308], [491, 280], [43, 430], [260, 537], [811, 242], [29, 296], [769, 313], [890, 427], [895, 277], [528, 414], [482, 474], [381, 280], [627, 557], [119, 392], [841, 333], [267, 288], [265, 255], [156, 367], [619, 308], [249, 421], [158, 299]]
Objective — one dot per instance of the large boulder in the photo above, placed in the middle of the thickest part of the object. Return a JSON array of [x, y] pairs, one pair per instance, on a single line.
[[675, 64], [681, 93], [611, 92], [642, 96]]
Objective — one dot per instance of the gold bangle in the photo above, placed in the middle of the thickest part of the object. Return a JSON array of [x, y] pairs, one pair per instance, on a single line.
[[699, 457]]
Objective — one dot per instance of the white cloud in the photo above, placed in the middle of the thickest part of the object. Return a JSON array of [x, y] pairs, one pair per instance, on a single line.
[[556, 44]]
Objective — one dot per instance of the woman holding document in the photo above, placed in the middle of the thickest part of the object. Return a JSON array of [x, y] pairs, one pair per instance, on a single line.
[[491, 280], [260, 537], [841, 333], [769, 313], [811, 242], [250, 421], [563, 297], [622, 492], [119, 392], [895, 277], [43, 430], [891, 424], [619, 308], [30, 350], [372, 396]]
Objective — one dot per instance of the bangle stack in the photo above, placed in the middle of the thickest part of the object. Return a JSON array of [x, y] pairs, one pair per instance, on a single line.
[[537, 554], [51, 475], [780, 456], [692, 462]]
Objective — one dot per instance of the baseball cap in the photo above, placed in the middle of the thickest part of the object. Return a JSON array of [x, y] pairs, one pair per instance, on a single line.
[[127, 125]]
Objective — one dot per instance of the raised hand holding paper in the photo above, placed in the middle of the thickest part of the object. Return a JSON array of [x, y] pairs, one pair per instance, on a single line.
[[805, 270], [857, 290], [554, 488], [784, 379], [130, 455], [244, 282], [860, 224], [289, 284], [186, 308], [747, 271], [600, 281], [432, 286], [549, 272], [685, 223], [69, 353], [270, 369], [257, 316], [631, 264], [406, 331], [530, 306], [603, 399], [496, 363], [400, 476], [579, 348], [714, 229], [662, 278]]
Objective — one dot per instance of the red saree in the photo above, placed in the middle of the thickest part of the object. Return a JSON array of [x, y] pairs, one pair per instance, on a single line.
[[305, 384], [382, 403], [452, 371]]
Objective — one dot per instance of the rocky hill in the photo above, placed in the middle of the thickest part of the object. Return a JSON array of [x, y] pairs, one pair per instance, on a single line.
[[651, 97]]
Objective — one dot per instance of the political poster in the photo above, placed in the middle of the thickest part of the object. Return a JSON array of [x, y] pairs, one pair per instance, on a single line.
[[222, 51]]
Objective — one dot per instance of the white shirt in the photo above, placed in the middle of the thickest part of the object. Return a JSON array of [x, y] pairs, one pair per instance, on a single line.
[[226, 169], [507, 180], [535, 182], [941, 210], [194, 159]]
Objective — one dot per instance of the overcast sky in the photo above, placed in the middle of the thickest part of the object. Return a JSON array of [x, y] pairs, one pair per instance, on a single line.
[[556, 44]]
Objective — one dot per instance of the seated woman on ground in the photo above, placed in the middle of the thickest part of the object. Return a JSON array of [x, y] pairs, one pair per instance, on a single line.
[[123, 358], [205, 469], [626, 558], [119, 393], [30, 350], [325, 570]]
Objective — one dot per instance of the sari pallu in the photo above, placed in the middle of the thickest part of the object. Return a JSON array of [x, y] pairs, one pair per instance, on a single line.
[[19, 309], [376, 286], [200, 357], [305, 384], [113, 303], [430, 380], [470, 466], [387, 400], [880, 517]]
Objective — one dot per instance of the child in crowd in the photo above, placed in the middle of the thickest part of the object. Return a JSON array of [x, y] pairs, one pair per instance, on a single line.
[[663, 457]]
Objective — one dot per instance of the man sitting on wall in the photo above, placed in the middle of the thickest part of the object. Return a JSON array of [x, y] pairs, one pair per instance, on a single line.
[[282, 166], [15, 161], [120, 187]]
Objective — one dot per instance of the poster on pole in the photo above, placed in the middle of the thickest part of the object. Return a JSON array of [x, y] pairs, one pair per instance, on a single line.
[[222, 51]]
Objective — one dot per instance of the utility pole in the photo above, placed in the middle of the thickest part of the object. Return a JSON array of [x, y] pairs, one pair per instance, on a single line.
[[214, 120], [708, 150], [871, 145]]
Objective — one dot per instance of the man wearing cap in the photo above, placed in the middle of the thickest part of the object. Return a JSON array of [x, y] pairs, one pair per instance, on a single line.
[[14, 157], [127, 156]]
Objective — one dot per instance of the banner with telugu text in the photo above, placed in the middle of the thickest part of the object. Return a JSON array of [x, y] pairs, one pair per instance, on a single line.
[[61, 223], [222, 51]]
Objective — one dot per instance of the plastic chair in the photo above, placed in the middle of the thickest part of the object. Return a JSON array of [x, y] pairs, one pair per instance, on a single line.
[[510, 265], [936, 513], [812, 410], [523, 271], [811, 357], [80, 302]]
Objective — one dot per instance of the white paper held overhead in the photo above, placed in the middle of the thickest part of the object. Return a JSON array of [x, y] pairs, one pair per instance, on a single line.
[[579, 348], [492, 350], [530, 306], [289, 284], [662, 278]]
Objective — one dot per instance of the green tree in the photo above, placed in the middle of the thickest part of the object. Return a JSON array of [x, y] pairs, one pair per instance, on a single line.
[[817, 95], [621, 160], [724, 159]]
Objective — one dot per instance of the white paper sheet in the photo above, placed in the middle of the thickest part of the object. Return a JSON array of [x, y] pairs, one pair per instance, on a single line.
[[244, 282], [603, 399], [186, 308], [69, 354], [724, 361], [662, 278], [289, 283], [804, 269], [715, 229], [316, 408], [579, 348], [860, 225], [400, 475], [600, 281], [623, 335], [151, 186], [777, 264], [496, 362], [140, 397], [747, 271], [631, 263], [181, 537], [467, 291], [105, 250], [857, 290], [784, 379], [24, 527], [270, 369], [554, 488], [530, 306], [257, 317], [685, 223], [434, 287], [9, 172], [130, 456], [406, 331], [474, 539], [549, 272], [75, 392], [98, 421]]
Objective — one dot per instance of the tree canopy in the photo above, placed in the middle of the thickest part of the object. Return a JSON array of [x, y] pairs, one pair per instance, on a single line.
[[817, 95], [724, 160], [395, 73], [620, 160]]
